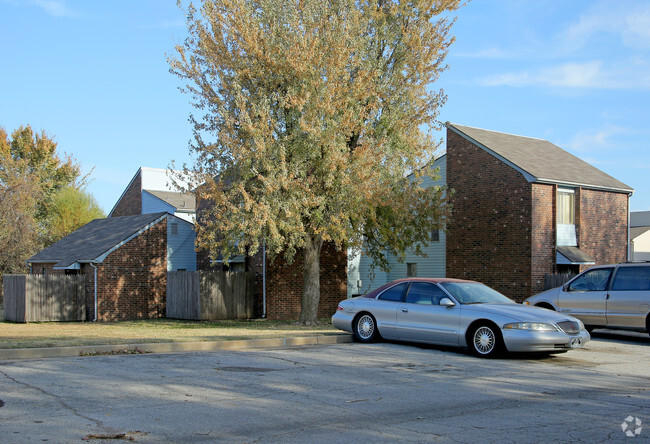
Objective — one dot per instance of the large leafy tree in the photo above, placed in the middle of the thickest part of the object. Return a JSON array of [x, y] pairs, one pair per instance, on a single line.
[[38, 189], [311, 113]]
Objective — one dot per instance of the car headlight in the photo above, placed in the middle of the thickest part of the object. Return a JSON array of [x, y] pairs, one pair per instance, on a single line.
[[536, 326]]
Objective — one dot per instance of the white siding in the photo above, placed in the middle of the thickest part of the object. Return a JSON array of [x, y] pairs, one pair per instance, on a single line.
[[434, 265], [156, 179], [640, 247], [180, 247]]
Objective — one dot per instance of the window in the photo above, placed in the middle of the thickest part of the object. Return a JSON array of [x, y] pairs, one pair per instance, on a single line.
[[565, 206], [424, 294], [632, 279], [592, 280], [393, 294], [174, 229], [435, 235], [411, 269]]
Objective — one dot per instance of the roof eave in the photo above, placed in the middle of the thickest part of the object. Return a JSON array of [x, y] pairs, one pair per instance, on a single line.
[[629, 191]]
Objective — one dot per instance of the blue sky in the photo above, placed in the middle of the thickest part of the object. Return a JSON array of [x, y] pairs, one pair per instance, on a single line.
[[93, 74]]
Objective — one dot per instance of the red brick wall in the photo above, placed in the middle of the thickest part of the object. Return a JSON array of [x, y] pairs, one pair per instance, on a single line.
[[489, 238], [132, 280], [602, 229], [543, 234], [284, 284], [131, 202]]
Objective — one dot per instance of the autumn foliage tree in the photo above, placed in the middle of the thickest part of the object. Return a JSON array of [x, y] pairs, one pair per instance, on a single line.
[[311, 113], [37, 190]]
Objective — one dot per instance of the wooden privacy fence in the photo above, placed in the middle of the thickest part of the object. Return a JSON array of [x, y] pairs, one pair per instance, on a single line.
[[556, 280], [210, 295], [37, 298]]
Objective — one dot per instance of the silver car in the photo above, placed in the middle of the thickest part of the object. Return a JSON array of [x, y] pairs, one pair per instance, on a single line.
[[609, 296], [457, 313]]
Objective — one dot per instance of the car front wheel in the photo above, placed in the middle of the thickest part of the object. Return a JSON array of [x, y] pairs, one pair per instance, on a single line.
[[485, 341], [365, 328]]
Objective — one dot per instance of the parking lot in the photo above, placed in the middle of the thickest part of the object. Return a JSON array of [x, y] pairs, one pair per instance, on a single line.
[[382, 392]]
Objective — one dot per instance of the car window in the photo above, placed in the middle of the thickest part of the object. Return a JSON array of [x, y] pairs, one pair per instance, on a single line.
[[393, 293], [632, 278], [475, 293], [591, 280], [424, 293]]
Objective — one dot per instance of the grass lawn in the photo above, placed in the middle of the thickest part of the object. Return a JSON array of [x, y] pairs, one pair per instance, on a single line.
[[63, 334]]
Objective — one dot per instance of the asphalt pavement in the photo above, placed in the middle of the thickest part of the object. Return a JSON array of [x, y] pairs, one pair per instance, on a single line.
[[385, 392]]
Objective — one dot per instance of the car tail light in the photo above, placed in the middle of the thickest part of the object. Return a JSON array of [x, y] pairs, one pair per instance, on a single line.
[[339, 308]]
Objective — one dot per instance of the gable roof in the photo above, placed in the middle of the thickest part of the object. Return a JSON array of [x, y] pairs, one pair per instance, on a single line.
[[638, 231], [539, 160], [181, 201], [95, 240]]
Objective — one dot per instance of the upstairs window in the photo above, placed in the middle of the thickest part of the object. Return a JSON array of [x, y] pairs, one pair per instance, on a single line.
[[565, 206]]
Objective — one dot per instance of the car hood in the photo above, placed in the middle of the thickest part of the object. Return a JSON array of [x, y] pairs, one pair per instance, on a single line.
[[545, 295], [518, 312]]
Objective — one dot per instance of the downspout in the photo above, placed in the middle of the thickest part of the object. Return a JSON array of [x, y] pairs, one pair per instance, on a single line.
[[629, 252], [95, 281], [264, 278]]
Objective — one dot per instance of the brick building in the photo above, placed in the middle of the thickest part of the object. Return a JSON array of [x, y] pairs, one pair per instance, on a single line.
[[151, 191], [279, 284], [523, 207], [125, 261]]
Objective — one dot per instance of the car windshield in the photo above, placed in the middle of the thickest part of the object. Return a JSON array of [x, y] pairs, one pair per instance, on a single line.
[[475, 293]]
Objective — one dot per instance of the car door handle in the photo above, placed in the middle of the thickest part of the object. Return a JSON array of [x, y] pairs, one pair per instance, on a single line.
[[405, 310]]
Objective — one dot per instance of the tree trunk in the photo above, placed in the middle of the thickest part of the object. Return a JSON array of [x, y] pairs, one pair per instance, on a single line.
[[311, 281]]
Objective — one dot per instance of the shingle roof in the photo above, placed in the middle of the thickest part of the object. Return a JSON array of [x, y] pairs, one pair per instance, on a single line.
[[638, 231], [180, 201], [94, 239], [541, 160]]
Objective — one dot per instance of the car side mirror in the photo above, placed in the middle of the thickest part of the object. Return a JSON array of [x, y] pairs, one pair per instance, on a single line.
[[565, 287], [446, 302]]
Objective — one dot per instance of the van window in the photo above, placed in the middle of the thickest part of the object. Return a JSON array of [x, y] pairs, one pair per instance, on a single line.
[[632, 279], [591, 280]]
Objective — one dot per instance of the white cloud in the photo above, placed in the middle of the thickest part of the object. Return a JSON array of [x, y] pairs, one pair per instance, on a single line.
[[54, 7], [587, 75], [628, 20], [597, 139], [488, 53]]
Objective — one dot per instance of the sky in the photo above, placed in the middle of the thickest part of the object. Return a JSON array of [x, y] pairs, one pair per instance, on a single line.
[[94, 76]]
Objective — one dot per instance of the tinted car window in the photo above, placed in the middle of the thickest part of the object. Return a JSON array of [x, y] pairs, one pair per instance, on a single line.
[[592, 280], [424, 293], [393, 293], [632, 278]]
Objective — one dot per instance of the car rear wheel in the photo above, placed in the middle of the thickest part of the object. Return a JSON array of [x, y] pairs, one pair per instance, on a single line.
[[485, 341], [365, 328]]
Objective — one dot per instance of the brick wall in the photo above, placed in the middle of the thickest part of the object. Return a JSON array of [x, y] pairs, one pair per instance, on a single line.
[[543, 237], [131, 202], [489, 238], [132, 280], [284, 284], [602, 229]]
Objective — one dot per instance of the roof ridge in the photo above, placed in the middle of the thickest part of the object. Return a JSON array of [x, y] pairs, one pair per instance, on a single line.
[[504, 133]]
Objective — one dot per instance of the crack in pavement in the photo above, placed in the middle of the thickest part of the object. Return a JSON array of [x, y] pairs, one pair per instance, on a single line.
[[62, 403]]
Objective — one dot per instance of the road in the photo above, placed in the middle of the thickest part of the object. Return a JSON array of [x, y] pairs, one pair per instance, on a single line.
[[384, 392]]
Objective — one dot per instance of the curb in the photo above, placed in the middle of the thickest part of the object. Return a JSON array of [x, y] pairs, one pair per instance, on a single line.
[[173, 347]]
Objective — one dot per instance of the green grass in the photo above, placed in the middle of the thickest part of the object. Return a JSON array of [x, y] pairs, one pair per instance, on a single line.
[[63, 334]]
